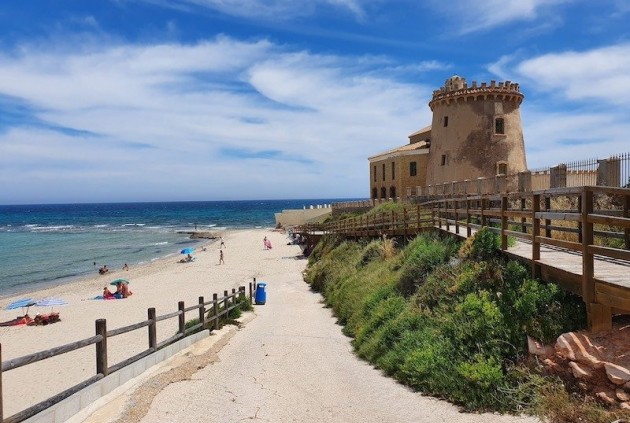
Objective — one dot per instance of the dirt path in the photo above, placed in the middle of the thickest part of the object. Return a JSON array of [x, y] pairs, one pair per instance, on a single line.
[[290, 363]]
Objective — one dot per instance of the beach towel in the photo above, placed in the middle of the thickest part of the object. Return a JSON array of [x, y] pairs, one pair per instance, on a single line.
[[18, 321]]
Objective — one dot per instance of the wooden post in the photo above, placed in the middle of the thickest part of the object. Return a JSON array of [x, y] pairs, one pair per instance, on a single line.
[[579, 224], [251, 291], [484, 204], [101, 348], [588, 287], [456, 217], [215, 307], [152, 329], [226, 304], [447, 214], [468, 228], [182, 317], [405, 222], [202, 313], [504, 223], [439, 214], [233, 296], [548, 221], [626, 213], [523, 220], [535, 235]]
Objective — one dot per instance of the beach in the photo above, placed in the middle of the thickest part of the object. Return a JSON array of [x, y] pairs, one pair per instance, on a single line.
[[160, 284]]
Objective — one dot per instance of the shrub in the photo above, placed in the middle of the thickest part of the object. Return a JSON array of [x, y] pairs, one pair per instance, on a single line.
[[482, 245], [422, 255]]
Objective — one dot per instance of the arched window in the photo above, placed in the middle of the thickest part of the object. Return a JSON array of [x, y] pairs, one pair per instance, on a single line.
[[392, 192], [383, 192], [374, 193], [502, 168]]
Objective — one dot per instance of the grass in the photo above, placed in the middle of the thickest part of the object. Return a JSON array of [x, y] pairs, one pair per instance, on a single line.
[[452, 321]]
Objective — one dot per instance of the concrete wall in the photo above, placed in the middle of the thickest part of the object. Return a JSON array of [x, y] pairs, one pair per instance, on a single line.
[[300, 217]]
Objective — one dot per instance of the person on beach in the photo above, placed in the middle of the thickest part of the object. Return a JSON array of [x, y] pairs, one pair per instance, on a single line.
[[125, 267], [103, 269], [222, 243], [107, 294], [221, 257], [265, 243], [124, 290]]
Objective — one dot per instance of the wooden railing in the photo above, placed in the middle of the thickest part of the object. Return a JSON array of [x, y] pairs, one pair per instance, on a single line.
[[209, 313], [591, 221]]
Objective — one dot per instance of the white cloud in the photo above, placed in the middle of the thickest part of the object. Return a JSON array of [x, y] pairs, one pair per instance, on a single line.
[[158, 120], [600, 74], [268, 9], [474, 15]]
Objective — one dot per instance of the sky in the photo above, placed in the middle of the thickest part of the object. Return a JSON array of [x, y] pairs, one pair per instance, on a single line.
[[184, 100]]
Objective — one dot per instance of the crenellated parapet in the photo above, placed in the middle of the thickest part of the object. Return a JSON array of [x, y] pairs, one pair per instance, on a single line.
[[456, 89]]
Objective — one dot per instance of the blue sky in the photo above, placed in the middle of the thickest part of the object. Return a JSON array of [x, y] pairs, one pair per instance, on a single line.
[[143, 100]]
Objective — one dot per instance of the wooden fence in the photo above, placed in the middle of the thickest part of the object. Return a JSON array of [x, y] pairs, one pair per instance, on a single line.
[[592, 221], [209, 313]]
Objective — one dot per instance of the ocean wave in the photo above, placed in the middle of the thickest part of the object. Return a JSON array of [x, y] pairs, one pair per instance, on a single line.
[[133, 224], [51, 228], [160, 243], [101, 226]]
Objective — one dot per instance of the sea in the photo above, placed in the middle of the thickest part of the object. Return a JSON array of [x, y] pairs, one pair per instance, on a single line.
[[49, 244]]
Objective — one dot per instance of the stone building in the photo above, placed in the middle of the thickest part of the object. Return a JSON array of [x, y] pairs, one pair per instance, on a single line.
[[476, 132]]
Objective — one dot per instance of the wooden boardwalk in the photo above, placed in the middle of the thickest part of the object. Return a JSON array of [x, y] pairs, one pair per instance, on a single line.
[[576, 237]]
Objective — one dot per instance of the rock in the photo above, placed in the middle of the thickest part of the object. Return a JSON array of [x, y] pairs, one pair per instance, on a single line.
[[617, 374], [578, 347], [624, 406], [626, 385], [537, 348], [579, 372], [622, 395], [606, 397]]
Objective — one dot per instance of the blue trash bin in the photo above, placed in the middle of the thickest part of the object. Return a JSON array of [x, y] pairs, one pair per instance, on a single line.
[[261, 294]]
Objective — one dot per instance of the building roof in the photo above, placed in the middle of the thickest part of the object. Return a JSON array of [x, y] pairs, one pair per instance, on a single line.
[[425, 129], [422, 145]]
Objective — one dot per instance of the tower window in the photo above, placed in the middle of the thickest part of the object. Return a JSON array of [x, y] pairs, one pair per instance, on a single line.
[[445, 121], [393, 170], [502, 168], [413, 171], [443, 160], [499, 126], [374, 173], [383, 192], [383, 171]]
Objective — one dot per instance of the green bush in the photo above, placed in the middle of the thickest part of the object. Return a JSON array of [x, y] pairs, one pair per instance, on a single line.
[[455, 329], [422, 255], [482, 245]]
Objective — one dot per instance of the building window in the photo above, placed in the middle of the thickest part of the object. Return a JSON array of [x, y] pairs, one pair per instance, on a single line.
[[392, 192], [499, 126], [443, 159], [383, 192], [445, 121], [393, 170], [374, 193], [383, 171], [413, 171], [374, 173], [502, 168]]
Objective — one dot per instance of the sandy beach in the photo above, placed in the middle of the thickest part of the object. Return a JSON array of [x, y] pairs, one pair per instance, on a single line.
[[161, 284]]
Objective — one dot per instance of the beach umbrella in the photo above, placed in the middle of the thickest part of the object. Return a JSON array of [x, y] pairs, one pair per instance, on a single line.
[[187, 250], [119, 280], [24, 302]]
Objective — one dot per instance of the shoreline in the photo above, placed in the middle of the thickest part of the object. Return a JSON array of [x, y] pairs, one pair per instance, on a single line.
[[202, 238], [160, 284]]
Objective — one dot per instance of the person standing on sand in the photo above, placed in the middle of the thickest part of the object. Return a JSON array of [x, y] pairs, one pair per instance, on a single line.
[[222, 243], [221, 257], [265, 243]]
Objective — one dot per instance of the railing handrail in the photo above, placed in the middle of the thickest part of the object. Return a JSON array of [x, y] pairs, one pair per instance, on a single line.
[[101, 339]]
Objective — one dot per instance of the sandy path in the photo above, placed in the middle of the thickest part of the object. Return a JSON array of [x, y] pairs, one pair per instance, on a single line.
[[290, 363]]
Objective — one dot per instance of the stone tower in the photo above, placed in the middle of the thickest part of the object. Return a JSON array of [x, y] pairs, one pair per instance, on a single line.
[[476, 131]]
